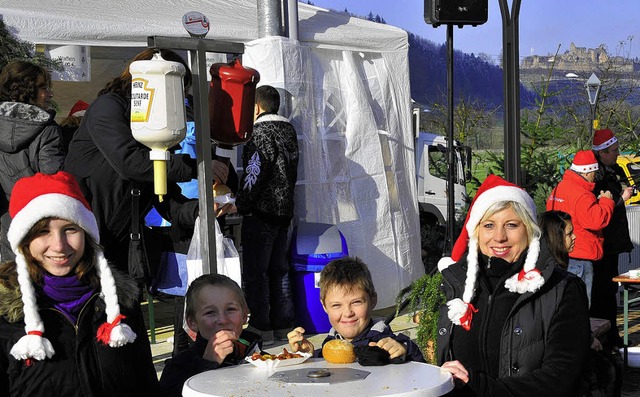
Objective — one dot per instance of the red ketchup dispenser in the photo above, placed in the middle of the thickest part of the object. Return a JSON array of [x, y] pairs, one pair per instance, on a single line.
[[232, 94]]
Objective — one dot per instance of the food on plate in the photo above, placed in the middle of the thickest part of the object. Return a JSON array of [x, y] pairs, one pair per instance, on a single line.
[[220, 189], [285, 355], [338, 351]]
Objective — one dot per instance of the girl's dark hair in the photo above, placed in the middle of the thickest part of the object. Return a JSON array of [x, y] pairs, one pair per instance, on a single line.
[[552, 224], [121, 85], [21, 80]]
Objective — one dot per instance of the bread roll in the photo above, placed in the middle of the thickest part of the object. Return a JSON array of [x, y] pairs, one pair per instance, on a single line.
[[338, 351], [220, 190]]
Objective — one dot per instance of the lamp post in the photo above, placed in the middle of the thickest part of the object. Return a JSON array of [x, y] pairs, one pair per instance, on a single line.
[[593, 85]]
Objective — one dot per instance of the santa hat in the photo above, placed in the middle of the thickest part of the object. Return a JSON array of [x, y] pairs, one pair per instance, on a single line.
[[493, 190], [57, 196], [79, 108], [584, 161], [602, 139]]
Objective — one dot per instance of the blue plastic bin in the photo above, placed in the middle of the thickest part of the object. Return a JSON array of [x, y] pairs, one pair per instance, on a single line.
[[313, 246]]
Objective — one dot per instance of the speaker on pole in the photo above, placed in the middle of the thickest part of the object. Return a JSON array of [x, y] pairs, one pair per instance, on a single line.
[[456, 12]]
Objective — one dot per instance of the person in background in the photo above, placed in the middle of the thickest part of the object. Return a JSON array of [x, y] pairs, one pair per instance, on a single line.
[[69, 324], [217, 310], [116, 175], [515, 323], [30, 139], [610, 177], [590, 214], [348, 297], [557, 231], [265, 200], [71, 123]]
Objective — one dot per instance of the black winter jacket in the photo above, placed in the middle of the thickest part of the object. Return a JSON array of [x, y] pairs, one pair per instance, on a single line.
[[270, 162], [81, 366], [534, 344], [30, 142], [108, 163], [616, 233]]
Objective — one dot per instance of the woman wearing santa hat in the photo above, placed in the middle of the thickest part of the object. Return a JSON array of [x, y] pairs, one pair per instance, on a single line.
[[69, 325], [515, 323]]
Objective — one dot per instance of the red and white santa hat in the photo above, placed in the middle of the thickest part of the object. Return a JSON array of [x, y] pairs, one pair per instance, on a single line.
[[494, 189], [79, 108], [602, 139], [57, 196], [584, 161]]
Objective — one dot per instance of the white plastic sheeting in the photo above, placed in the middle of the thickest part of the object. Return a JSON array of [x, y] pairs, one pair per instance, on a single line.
[[350, 104]]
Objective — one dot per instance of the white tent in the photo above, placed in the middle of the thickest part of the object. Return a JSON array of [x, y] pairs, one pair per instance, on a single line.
[[350, 104]]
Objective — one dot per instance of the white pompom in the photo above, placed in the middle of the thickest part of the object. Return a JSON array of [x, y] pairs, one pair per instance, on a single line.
[[32, 346], [444, 263], [457, 309], [121, 334]]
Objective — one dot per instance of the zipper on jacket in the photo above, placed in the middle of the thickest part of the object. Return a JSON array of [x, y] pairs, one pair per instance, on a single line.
[[75, 326]]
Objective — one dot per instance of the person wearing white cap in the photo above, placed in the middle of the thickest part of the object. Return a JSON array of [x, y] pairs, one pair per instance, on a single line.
[[69, 325], [515, 323], [611, 177], [590, 214]]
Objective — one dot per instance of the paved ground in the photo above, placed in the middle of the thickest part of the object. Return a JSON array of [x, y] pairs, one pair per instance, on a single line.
[[163, 314]]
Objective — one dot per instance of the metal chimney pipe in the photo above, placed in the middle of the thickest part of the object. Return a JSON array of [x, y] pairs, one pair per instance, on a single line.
[[291, 19], [269, 18]]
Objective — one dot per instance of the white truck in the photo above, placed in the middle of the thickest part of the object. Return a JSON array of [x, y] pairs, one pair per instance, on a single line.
[[432, 154]]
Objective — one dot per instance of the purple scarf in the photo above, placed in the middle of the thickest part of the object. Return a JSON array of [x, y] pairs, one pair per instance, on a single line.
[[67, 294]]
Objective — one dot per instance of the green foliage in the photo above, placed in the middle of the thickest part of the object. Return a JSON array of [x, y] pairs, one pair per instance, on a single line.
[[12, 48], [425, 298]]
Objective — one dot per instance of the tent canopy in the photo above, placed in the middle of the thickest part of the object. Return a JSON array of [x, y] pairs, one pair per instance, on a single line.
[[347, 81], [119, 23]]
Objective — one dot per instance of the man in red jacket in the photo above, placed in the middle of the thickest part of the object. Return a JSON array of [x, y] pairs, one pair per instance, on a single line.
[[590, 214]]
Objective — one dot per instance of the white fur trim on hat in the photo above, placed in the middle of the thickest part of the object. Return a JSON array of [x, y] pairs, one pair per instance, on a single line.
[[605, 144], [494, 195], [583, 169], [52, 205]]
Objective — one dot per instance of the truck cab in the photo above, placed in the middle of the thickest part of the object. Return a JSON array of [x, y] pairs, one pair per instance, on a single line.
[[432, 154], [630, 164]]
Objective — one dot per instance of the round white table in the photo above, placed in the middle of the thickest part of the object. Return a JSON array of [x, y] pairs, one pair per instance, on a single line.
[[408, 379]]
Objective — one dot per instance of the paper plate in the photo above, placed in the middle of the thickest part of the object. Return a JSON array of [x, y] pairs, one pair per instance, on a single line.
[[271, 364]]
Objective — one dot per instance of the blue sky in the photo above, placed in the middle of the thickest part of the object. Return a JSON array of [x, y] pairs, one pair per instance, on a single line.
[[544, 24]]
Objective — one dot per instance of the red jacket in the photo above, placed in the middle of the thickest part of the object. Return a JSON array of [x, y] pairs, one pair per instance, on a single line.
[[589, 215]]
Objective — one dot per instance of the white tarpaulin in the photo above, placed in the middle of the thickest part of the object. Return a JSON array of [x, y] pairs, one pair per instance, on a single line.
[[350, 104]]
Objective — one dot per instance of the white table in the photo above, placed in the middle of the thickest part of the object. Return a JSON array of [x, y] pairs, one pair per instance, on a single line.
[[408, 379]]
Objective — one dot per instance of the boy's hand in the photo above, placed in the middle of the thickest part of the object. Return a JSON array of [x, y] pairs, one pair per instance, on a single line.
[[395, 348], [220, 346], [298, 342]]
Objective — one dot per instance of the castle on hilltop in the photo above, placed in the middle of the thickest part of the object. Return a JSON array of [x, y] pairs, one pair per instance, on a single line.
[[580, 59]]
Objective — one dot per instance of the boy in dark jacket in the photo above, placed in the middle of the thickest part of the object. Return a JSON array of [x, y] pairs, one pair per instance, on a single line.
[[348, 296], [216, 310]]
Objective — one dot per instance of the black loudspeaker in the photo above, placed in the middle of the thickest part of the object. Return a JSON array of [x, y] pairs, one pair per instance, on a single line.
[[456, 12]]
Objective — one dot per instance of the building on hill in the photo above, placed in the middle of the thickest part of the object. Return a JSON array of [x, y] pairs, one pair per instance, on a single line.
[[580, 59]]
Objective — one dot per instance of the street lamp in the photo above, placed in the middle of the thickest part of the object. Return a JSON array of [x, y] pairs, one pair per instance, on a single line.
[[593, 91]]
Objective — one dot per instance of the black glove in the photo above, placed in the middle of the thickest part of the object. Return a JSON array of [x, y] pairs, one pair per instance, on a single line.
[[374, 356]]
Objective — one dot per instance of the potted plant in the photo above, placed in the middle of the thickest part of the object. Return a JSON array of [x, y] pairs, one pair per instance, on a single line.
[[424, 298]]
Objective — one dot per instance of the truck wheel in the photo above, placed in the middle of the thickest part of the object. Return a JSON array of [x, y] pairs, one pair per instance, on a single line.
[[432, 242]]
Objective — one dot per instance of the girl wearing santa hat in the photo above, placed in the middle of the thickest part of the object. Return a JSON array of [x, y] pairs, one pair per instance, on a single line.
[[69, 325], [515, 323]]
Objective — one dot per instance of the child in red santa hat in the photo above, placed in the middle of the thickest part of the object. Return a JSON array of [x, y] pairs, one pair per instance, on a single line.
[[69, 325]]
